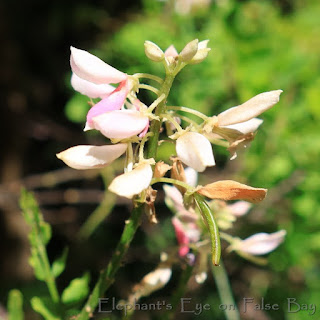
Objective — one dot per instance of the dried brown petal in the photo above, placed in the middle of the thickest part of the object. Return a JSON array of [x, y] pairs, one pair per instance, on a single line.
[[161, 169], [241, 142], [232, 190], [151, 196], [177, 172]]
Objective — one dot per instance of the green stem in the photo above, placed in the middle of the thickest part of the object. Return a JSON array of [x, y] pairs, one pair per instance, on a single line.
[[180, 290], [150, 88], [50, 281], [212, 227], [43, 257], [103, 210], [174, 122], [148, 76], [169, 180], [225, 292], [107, 275], [195, 112], [156, 124]]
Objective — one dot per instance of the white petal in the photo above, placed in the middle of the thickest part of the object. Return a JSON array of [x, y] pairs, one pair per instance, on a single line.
[[260, 243], [120, 124], [203, 44], [91, 68], [90, 89], [158, 278], [91, 157], [249, 109], [246, 127], [133, 182], [195, 151], [191, 176]]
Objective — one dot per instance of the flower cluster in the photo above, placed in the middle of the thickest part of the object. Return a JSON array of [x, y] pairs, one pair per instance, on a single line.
[[134, 128]]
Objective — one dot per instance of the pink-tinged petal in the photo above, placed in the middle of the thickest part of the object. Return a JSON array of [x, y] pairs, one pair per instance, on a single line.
[[91, 68], [195, 151], [173, 197], [246, 127], [250, 109], [131, 183], [239, 208], [145, 130], [171, 52], [91, 157], [182, 238], [120, 124], [260, 243], [90, 89], [113, 102]]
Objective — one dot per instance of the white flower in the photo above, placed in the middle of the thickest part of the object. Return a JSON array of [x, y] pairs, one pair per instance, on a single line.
[[91, 157], [131, 183], [90, 68], [250, 109], [260, 243], [195, 151]]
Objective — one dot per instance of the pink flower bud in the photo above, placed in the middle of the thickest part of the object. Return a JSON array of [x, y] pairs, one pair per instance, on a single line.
[[171, 52], [91, 157]]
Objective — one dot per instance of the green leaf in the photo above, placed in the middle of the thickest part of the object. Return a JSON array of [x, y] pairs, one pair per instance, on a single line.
[[77, 290], [45, 307], [59, 265], [15, 304]]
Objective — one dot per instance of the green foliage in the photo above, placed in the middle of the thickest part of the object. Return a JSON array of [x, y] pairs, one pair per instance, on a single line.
[[77, 107], [15, 305], [45, 307], [59, 265], [77, 290]]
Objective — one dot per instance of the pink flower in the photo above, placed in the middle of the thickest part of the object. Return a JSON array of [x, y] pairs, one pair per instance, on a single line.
[[186, 233], [120, 124], [260, 243], [92, 77]]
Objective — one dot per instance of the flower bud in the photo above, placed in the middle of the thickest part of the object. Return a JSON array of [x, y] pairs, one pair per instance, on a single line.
[[133, 182], [202, 52], [189, 51], [153, 52]]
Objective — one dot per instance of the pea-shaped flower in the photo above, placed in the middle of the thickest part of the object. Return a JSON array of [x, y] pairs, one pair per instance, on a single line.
[[195, 151]]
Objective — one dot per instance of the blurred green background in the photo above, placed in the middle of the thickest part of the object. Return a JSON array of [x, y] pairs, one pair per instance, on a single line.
[[256, 46]]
